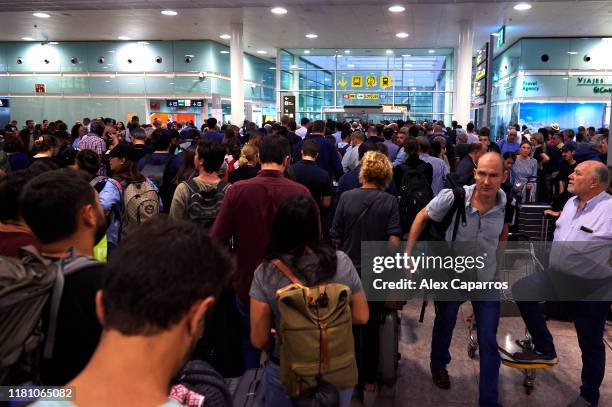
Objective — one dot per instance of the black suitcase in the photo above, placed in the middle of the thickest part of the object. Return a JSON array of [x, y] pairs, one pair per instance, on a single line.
[[249, 389], [388, 348], [534, 224]]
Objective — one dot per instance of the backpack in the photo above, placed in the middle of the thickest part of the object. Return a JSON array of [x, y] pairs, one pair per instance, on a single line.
[[316, 335], [203, 206], [436, 231], [140, 203], [415, 193], [27, 282], [202, 379], [154, 168]]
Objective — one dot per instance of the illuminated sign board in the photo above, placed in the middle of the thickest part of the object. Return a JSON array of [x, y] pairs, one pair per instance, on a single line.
[[185, 102]]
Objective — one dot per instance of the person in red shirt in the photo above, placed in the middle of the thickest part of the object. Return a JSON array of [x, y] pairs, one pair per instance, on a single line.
[[14, 232], [246, 216]]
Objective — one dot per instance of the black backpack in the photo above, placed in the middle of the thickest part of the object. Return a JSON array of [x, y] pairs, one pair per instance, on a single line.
[[203, 206], [201, 378], [436, 231], [415, 193], [155, 168]]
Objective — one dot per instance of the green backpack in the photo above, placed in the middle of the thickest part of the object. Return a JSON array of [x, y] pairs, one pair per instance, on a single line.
[[316, 335]]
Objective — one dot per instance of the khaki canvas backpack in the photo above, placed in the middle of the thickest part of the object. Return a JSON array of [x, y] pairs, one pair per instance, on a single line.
[[316, 335]]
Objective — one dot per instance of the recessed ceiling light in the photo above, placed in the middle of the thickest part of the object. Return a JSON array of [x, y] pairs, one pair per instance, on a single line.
[[279, 10], [522, 6], [408, 66], [347, 51], [53, 43], [123, 38], [431, 51], [397, 9], [169, 12], [272, 67], [572, 52], [389, 52], [143, 43], [41, 15], [306, 51], [224, 52], [261, 51], [225, 36], [350, 65], [312, 36], [28, 39], [402, 35], [406, 55]]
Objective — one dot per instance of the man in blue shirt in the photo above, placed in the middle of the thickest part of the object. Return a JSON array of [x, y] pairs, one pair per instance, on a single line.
[[328, 158], [212, 132], [512, 144], [579, 270]]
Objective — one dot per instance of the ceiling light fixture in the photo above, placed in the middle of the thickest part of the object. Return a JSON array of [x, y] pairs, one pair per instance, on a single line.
[[522, 6], [225, 36], [572, 52], [143, 43], [279, 11], [397, 9], [272, 67], [169, 12], [347, 51], [406, 55], [306, 51], [389, 52], [123, 38], [402, 35], [53, 43], [28, 39], [261, 51], [312, 36], [431, 51], [224, 52], [41, 15]]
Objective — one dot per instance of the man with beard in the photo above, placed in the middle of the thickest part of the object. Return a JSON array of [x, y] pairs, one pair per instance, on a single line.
[[64, 213], [151, 327]]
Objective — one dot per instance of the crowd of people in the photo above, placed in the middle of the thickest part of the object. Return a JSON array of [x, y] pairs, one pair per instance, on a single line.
[[192, 228]]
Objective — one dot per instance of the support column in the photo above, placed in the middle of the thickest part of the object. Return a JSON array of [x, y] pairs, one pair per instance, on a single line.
[[236, 75], [277, 90], [295, 87], [463, 76]]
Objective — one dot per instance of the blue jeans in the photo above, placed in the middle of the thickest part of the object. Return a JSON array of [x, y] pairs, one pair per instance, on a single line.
[[251, 356], [487, 318], [275, 396]]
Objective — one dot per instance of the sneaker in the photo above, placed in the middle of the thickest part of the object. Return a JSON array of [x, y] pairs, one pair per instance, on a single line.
[[533, 356], [580, 402], [441, 378]]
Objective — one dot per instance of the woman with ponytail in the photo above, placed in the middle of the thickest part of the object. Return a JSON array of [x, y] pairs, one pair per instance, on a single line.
[[248, 164]]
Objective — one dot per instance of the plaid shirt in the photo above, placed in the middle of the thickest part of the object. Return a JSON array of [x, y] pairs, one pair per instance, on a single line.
[[96, 144]]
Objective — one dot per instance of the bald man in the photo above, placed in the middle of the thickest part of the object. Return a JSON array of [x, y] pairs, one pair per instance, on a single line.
[[579, 269], [485, 204]]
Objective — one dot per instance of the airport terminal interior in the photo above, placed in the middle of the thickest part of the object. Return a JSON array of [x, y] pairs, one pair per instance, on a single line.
[[214, 203]]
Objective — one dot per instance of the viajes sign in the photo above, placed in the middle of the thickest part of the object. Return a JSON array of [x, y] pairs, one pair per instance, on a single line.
[[600, 85]]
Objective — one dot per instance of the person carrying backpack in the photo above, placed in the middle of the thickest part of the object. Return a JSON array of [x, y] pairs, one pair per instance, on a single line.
[[482, 221], [199, 199], [162, 165], [48, 323], [414, 178], [297, 262], [128, 198]]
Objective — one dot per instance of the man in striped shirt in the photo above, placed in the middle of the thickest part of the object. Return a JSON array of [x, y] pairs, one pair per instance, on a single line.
[[94, 142]]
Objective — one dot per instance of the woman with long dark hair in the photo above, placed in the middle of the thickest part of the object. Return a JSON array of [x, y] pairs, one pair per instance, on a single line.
[[295, 240]]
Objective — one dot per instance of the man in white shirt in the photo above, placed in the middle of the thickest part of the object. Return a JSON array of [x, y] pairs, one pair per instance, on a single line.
[[351, 157], [303, 127], [472, 137]]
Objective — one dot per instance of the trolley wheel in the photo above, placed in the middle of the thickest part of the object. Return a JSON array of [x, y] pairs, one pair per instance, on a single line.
[[529, 382], [472, 350]]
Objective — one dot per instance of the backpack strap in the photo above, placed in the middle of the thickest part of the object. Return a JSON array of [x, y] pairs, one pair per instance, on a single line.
[[459, 209], [66, 266], [285, 270], [192, 185]]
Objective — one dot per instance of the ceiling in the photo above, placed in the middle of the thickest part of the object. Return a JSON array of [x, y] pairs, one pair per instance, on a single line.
[[338, 23]]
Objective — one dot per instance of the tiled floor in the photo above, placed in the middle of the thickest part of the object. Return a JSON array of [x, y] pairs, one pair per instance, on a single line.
[[554, 387]]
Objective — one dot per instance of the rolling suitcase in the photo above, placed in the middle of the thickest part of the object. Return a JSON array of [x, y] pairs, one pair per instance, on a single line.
[[533, 223], [249, 389], [388, 349]]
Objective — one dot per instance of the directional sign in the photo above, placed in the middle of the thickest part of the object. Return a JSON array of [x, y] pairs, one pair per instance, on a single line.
[[357, 81], [370, 81], [289, 105], [385, 81], [343, 82]]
